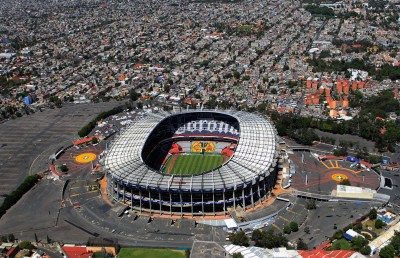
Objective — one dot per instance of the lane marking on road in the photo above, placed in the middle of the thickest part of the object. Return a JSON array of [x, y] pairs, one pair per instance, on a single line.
[[323, 163], [78, 187], [275, 226], [73, 195], [285, 219], [293, 212]]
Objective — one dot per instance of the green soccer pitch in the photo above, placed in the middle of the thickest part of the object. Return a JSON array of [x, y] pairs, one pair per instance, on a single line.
[[192, 164]]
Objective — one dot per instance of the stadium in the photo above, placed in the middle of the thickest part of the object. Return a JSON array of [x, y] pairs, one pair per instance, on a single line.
[[194, 162]]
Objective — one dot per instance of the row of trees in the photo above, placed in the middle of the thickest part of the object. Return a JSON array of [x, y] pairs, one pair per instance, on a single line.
[[84, 131], [316, 10], [268, 239], [265, 239], [367, 124], [392, 249], [360, 244], [386, 71], [292, 227], [14, 196]]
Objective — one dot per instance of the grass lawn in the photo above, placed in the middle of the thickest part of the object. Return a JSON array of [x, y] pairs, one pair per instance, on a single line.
[[371, 224], [341, 244], [193, 164], [246, 27], [150, 253]]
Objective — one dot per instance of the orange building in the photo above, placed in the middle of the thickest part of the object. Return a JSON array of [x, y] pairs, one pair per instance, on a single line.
[[339, 88], [333, 113], [346, 89], [308, 84], [328, 92], [354, 85]]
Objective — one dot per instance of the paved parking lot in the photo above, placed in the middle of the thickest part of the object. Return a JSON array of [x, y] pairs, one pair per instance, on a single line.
[[27, 142], [295, 212], [327, 218], [83, 213], [395, 191]]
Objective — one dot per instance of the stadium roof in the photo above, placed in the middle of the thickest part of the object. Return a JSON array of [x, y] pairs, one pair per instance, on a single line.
[[255, 155]]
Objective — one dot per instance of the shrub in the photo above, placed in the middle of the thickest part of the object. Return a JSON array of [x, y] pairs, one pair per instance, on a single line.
[[373, 214], [287, 230], [294, 226], [63, 168], [26, 245], [311, 205], [365, 250], [95, 140], [84, 131], [379, 224]]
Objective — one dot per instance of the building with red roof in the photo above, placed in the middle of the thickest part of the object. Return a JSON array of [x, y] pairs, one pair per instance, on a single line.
[[76, 251], [84, 140], [12, 251], [326, 254]]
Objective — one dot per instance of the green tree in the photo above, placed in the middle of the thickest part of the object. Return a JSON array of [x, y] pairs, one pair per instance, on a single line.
[[365, 250], [358, 242], [387, 252], [311, 205], [95, 140], [396, 243], [11, 238], [301, 245], [14, 196], [338, 234], [134, 95], [268, 239], [357, 226], [294, 227], [166, 88], [261, 108], [237, 255], [373, 214], [287, 229], [63, 168], [345, 182], [26, 245], [379, 224], [239, 238]]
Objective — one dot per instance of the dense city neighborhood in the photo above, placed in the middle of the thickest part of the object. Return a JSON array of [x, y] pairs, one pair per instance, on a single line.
[[77, 76]]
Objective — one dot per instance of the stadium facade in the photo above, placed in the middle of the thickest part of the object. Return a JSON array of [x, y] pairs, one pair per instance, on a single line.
[[135, 162]]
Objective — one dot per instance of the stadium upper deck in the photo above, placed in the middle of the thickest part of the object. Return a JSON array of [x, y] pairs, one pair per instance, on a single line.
[[255, 155], [249, 173]]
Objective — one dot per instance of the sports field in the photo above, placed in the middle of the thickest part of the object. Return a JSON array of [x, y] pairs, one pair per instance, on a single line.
[[150, 253], [192, 164]]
